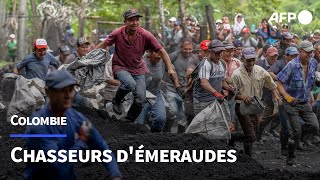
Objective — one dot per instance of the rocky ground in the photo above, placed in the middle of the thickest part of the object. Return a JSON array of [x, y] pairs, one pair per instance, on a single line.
[[267, 162]]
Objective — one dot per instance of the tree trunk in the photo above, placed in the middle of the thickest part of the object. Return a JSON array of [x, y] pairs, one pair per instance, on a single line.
[[181, 18], [212, 24], [162, 21], [2, 29], [22, 17], [82, 15], [35, 19], [147, 26]]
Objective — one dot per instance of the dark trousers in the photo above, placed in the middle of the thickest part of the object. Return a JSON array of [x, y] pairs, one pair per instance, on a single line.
[[303, 111], [249, 125]]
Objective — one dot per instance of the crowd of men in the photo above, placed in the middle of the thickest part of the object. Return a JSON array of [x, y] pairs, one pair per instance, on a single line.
[[274, 67]]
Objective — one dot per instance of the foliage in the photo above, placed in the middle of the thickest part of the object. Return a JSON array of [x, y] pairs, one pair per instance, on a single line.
[[253, 10]]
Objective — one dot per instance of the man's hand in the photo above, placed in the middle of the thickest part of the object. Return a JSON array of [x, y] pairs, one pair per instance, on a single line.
[[277, 100], [180, 91], [174, 78], [292, 101], [85, 131], [218, 95], [246, 99], [231, 127]]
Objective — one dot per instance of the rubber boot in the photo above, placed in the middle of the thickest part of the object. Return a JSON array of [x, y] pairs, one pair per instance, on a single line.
[[292, 145], [118, 99], [307, 140], [248, 149], [181, 129], [284, 144], [134, 111], [168, 125]]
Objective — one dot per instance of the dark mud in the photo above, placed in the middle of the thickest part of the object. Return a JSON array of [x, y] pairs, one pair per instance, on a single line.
[[120, 135]]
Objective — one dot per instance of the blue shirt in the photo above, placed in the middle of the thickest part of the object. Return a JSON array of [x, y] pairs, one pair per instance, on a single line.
[[36, 68], [65, 170], [277, 66], [292, 78]]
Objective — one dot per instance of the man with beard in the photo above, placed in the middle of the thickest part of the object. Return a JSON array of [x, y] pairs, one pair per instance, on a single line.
[[131, 41], [37, 63], [175, 95], [249, 81]]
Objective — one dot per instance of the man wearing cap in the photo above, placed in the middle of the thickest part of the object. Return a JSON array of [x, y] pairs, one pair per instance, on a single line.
[[317, 53], [11, 48], [212, 75], [131, 41], [37, 63], [176, 37], [268, 114], [290, 53], [232, 64], [316, 36], [282, 45], [238, 48], [82, 50], [247, 40], [249, 81], [295, 83], [295, 39], [64, 52], [81, 134]]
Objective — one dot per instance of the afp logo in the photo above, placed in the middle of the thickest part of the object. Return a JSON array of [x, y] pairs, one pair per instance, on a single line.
[[304, 17]]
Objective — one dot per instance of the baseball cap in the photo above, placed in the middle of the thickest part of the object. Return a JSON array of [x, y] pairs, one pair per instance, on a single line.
[[204, 45], [272, 51], [306, 46], [177, 23], [70, 31], [218, 21], [12, 36], [317, 31], [40, 44], [64, 50], [216, 45], [82, 41], [237, 43], [249, 52], [173, 19], [291, 51], [245, 30], [229, 46], [131, 13], [286, 35], [60, 79]]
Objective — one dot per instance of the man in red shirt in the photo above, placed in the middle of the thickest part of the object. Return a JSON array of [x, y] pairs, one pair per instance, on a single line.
[[131, 41]]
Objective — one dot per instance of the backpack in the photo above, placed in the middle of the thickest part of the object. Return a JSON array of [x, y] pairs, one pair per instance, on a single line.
[[194, 76]]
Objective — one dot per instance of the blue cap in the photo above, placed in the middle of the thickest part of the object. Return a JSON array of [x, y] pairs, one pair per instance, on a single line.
[[291, 51], [249, 52], [237, 43], [60, 79]]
